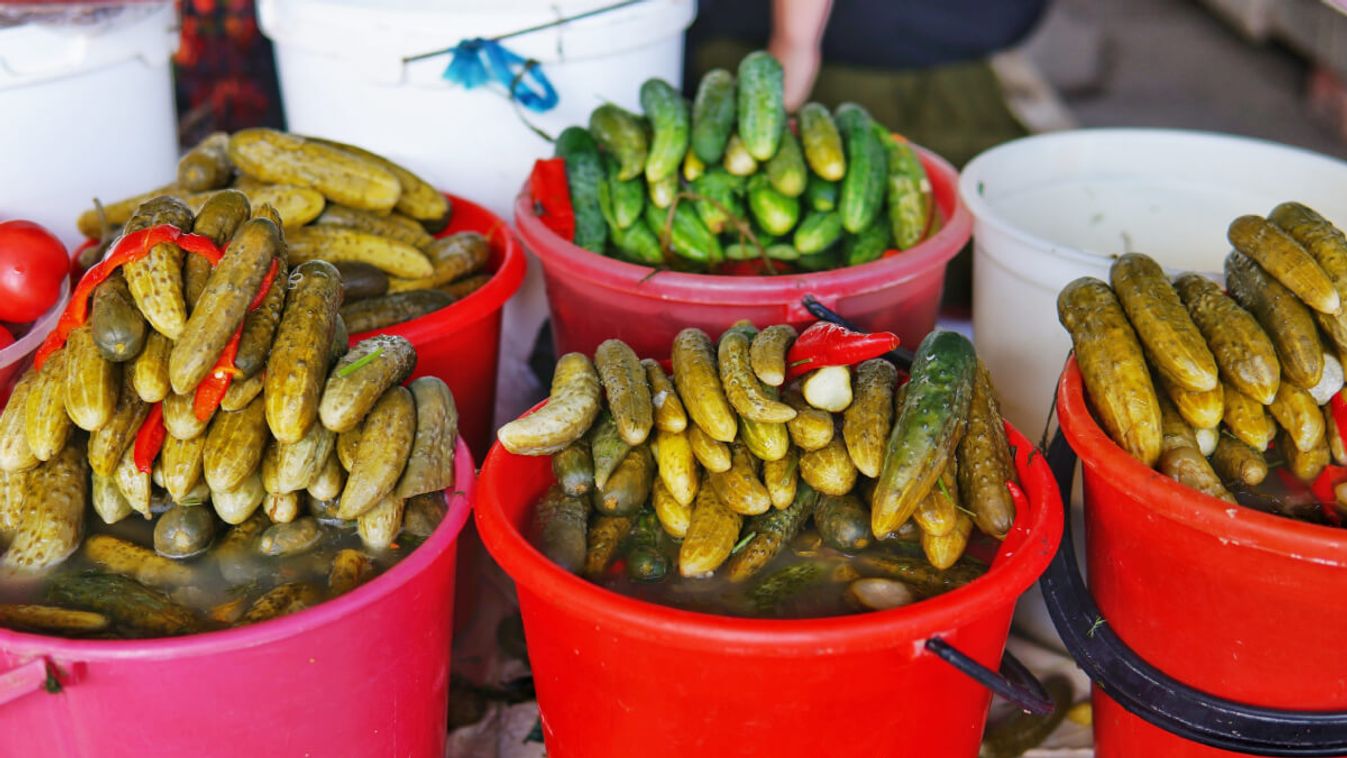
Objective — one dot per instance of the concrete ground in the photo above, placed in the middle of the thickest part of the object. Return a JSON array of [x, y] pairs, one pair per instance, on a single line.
[[1173, 63]]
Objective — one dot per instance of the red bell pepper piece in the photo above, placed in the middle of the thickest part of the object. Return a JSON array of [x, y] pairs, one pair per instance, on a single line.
[[149, 439], [265, 286], [827, 344], [551, 196], [1338, 407], [201, 245], [1322, 488], [1017, 497], [211, 391], [128, 248]]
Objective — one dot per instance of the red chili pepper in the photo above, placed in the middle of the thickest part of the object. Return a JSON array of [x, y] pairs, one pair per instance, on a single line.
[[1017, 497], [266, 285], [551, 196], [149, 439], [1323, 487], [128, 248], [200, 245], [827, 344], [211, 391], [1338, 407]]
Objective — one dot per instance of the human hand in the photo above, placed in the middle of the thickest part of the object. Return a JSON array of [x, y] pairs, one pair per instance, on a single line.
[[800, 62]]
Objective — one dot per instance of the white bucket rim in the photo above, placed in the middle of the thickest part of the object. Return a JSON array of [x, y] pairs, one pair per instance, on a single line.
[[984, 213]]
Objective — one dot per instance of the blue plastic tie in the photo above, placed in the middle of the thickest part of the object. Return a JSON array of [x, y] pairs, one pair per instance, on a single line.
[[480, 62]]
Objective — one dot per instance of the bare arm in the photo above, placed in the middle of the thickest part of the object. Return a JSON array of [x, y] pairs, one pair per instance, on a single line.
[[797, 39]]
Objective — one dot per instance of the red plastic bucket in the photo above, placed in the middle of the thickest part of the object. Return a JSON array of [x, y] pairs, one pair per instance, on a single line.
[[1228, 600], [617, 676], [461, 344], [366, 674], [592, 297]]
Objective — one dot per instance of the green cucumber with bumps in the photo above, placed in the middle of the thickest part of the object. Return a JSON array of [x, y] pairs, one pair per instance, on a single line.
[[627, 196], [584, 174], [862, 195], [821, 194], [718, 198], [713, 115], [822, 143], [622, 135], [818, 232], [786, 170], [687, 235], [776, 213], [927, 430], [908, 191], [762, 104], [869, 245], [667, 112]]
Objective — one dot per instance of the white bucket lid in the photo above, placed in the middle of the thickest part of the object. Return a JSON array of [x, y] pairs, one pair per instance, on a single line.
[[380, 33], [35, 52]]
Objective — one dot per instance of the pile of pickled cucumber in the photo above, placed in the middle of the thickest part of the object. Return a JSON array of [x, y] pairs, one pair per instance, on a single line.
[[727, 179], [236, 403], [1217, 387], [369, 216], [868, 489]]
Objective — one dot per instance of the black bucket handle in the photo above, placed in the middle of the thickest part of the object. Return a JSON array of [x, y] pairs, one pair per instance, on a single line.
[[1149, 693], [1014, 682]]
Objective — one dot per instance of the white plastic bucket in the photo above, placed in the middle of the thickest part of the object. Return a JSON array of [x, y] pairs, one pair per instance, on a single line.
[[86, 110], [1051, 208], [342, 77]]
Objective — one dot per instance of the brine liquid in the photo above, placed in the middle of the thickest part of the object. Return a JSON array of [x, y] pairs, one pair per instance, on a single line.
[[218, 576], [807, 579]]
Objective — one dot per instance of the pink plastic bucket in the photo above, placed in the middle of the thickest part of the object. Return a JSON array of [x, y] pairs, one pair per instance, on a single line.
[[366, 674], [592, 297]]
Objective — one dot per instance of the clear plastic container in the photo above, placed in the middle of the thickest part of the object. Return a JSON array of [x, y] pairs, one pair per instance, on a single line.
[[14, 358]]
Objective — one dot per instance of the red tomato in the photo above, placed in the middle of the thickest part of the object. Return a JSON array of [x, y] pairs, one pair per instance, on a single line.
[[32, 264]]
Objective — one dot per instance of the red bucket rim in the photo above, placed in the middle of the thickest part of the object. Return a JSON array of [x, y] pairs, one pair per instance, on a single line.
[[735, 290], [1233, 524], [1015, 568], [487, 299], [264, 632]]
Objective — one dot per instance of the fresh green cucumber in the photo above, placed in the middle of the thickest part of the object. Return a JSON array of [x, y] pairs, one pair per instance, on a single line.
[[862, 194], [776, 213], [584, 174], [622, 135], [669, 120], [713, 115], [869, 245], [818, 232], [762, 105], [822, 143], [786, 170]]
